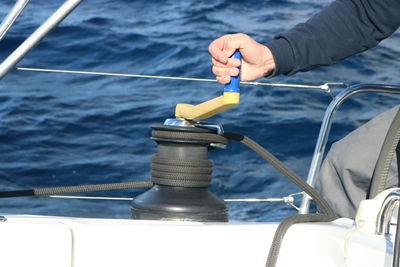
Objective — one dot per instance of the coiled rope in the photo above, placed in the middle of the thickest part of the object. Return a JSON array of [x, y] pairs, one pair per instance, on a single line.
[[181, 172]]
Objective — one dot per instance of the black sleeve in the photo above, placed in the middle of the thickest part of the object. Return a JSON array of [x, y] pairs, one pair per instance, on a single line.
[[344, 28]]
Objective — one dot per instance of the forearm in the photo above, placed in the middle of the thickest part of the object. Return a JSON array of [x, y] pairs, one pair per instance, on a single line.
[[344, 28]]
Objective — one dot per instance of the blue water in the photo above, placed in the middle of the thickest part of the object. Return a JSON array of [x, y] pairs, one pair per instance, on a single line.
[[63, 129]]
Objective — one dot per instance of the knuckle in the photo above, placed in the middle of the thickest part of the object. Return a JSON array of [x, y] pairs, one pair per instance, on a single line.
[[234, 71], [219, 79], [242, 35], [223, 79], [214, 71]]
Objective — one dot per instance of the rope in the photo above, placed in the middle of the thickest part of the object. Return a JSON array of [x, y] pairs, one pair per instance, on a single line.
[[322, 204], [75, 189], [181, 172], [191, 136], [284, 226], [385, 158]]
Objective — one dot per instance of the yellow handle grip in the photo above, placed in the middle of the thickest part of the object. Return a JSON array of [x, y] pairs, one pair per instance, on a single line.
[[209, 108]]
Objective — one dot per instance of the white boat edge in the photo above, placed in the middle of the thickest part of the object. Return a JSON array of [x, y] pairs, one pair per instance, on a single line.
[[32, 240]]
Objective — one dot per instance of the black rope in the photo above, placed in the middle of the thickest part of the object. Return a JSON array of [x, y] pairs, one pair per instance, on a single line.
[[190, 136], [75, 189], [322, 204], [181, 172], [285, 225], [380, 175], [17, 193]]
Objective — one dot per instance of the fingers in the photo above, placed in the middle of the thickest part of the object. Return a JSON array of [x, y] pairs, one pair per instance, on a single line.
[[216, 49], [218, 71], [225, 71], [221, 49], [235, 42], [223, 79], [232, 62], [224, 74]]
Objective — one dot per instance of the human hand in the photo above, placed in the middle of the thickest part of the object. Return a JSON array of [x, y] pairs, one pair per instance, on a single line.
[[257, 59]]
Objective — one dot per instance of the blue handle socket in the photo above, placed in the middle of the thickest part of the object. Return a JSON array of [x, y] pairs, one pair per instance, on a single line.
[[233, 85]]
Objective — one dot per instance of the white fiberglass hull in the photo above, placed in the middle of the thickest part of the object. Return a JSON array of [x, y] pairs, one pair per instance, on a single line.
[[78, 242]]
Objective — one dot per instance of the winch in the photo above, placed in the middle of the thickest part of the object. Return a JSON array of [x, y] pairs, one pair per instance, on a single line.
[[182, 174]]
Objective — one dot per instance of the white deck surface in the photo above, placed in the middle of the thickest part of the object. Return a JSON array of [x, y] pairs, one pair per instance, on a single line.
[[57, 241]]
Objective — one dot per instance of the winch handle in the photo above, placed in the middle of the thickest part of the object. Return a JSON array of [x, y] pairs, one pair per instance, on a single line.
[[205, 110], [233, 85]]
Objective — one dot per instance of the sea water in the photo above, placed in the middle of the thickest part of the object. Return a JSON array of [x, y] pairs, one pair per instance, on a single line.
[[68, 129]]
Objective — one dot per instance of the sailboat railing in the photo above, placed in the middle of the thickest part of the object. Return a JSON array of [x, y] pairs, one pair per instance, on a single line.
[[326, 126], [12, 60], [12, 16]]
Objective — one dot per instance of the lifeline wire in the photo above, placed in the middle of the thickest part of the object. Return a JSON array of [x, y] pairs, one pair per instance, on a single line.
[[324, 87], [288, 198]]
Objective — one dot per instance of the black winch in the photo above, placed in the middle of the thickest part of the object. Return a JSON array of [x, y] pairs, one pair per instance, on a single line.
[[182, 174]]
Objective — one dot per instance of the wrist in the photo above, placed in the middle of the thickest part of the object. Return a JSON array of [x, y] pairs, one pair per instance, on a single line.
[[283, 56], [268, 62]]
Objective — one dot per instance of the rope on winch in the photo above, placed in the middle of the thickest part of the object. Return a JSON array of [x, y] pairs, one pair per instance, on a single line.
[[181, 172], [322, 204]]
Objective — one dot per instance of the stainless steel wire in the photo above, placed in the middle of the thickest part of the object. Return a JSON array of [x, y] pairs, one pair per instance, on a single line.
[[290, 199], [324, 87]]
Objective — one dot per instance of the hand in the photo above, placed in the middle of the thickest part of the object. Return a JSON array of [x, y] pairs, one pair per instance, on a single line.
[[257, 59]]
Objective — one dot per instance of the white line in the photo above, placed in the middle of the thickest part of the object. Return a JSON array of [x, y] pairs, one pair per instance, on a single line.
[[323, 87], [130, 199]]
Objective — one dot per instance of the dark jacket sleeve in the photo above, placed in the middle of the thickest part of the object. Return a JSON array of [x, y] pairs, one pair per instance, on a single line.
[[342, 29]]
